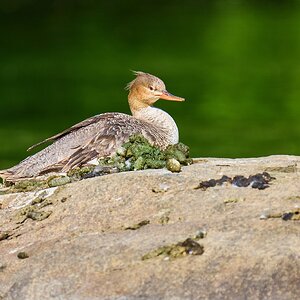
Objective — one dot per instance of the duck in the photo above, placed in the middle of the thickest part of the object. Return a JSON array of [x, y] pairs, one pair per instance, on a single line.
[[103, 134]]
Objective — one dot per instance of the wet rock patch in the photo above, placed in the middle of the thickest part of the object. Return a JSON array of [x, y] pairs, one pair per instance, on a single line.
[[258, 181], [290, 215]]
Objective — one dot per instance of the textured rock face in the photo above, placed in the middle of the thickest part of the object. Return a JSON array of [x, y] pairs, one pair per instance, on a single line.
[[124, 236]]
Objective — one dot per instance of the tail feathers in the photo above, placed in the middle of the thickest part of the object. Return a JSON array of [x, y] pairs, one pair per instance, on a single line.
[[15, 174], [10, 176]]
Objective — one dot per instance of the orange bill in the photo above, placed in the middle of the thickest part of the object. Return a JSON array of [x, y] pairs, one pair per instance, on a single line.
[[167, 96]]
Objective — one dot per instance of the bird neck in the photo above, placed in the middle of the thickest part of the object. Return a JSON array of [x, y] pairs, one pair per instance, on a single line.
[[135, 102]]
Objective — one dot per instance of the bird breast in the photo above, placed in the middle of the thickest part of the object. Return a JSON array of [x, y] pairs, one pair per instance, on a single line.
[[160, 119]]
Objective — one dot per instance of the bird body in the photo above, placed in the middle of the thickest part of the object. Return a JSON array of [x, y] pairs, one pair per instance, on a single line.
[[101, 135]]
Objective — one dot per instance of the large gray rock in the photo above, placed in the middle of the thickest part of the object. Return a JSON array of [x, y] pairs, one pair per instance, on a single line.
[[86, 240]]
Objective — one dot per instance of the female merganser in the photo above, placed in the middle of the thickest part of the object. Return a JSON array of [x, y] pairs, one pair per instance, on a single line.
[[103, 134]]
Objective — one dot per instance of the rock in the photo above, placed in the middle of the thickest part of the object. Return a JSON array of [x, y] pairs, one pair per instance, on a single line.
[[216, 242]]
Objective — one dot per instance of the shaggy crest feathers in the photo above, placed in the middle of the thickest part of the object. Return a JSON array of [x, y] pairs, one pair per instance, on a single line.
[[143, 78], [136, 73]]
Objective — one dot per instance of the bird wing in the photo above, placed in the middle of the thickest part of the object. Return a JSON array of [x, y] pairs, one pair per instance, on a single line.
[[75, 127], [95, 148], [95, 137], [111, 131]]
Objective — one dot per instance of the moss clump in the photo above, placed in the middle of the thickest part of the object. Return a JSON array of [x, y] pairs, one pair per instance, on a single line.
[[138, 225], [139, 154], [187, 247], [28, 186], [57, 181], [38, 215], [293, 215], [22, 255], [34, 210], [173, 165], [4, 235], [77, 173], [180, 152]]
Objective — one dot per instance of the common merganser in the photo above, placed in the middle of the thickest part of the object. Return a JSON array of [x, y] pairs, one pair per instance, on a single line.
[[101, 135]]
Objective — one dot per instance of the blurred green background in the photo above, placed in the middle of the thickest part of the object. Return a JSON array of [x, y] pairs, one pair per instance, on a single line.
[[236, 62]]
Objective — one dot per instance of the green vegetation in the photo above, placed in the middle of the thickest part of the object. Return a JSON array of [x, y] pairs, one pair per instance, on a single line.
[[138, 154], [181, 249]]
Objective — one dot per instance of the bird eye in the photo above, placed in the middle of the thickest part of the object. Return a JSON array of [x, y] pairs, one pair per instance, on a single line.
[[151, 88]]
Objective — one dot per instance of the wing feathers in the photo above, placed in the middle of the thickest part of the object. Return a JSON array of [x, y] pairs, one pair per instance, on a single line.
[[82, 124], [95, 137], [100, 145]]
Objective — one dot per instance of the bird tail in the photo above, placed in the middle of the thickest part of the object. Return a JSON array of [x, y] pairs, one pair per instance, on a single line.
[[7, 175], [10, 176], [18, 172]]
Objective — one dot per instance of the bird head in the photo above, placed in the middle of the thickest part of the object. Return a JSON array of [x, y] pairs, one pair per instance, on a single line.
[[146, 89]]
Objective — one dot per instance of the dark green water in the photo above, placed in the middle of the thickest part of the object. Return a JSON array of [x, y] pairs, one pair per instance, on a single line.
[[236, 62]]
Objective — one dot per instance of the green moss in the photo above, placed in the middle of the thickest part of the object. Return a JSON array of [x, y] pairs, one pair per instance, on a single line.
[[233, 200], [139, 154], [28, 186], [138, 225], [33, 210], [57, 181], [38, 215], [187, 247], [78, 173], [173, 165], [163, 220], [180, 152], [293, 215], [22, 255], [4, 235]]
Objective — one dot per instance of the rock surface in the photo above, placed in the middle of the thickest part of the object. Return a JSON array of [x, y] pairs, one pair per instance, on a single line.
[[100, 238]]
